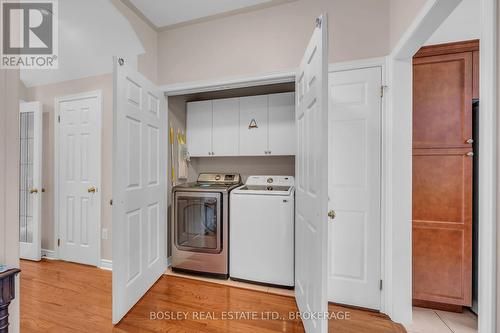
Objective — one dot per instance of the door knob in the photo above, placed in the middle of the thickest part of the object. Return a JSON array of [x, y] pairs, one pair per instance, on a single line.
[[332, 214], [33, 190], [92, 189]]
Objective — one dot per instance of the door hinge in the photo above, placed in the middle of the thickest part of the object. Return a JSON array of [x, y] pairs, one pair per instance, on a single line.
[[58, 119], [58, 242], [382, 88], [381, 284]]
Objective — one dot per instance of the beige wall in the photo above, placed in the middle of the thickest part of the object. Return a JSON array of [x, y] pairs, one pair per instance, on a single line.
[[9, 180], [46, 95], [402, 14], [271, 39], [147, 63]]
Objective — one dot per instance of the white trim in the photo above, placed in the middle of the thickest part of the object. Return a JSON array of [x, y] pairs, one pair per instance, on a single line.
[[49, 254], [382, 63], [399, 169], [97, 94], [488, 152], [229, 83], [169, 261], [106, 264]]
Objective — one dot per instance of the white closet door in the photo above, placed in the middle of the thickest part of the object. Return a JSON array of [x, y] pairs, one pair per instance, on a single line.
[[139, 187], [30, 194], [311, 226], [282, 136], [79, 177], [199, 128], [253, 125], [225, 132], [354, 187]]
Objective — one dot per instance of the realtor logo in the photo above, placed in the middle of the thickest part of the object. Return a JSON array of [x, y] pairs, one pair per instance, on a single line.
[[29, 34]]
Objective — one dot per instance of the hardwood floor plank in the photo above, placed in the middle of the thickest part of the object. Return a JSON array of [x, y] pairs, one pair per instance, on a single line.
[[57, 296]]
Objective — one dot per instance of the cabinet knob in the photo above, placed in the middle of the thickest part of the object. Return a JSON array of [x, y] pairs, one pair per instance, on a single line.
[[332, 214], [469, 141]]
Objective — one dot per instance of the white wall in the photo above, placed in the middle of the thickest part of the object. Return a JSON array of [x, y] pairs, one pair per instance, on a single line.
[[463, 24], [271, 39]]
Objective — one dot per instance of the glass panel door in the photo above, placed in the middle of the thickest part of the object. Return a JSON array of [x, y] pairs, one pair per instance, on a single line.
[[26, 178], [197, 221]]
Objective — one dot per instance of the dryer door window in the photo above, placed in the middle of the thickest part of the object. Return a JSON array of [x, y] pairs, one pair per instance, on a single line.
[[198, 222]]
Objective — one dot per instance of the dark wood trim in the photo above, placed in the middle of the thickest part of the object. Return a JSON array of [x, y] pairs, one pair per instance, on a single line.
[[456, 47], [438, 306]]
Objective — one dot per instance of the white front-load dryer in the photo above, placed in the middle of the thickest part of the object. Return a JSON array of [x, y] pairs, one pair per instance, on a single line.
[[261, 231]]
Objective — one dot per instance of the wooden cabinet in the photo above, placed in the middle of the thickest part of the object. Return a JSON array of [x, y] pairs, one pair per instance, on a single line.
[[444, 85], [261, 125], [199, 129], [225, 123]]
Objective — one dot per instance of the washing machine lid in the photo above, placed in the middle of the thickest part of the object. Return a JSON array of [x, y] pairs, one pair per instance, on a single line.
[[267, 185]]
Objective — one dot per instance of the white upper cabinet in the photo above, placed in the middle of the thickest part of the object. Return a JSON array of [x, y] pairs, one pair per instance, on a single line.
[[282, 124], [225, 133], [199, 128], [253, 125], [248, 126]]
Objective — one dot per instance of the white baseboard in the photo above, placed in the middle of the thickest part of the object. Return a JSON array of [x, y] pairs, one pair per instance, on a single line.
[[49, 254], [106, 264]]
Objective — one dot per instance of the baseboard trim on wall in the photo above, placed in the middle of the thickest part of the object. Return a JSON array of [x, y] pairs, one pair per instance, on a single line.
[[49, 254], [106, 264]]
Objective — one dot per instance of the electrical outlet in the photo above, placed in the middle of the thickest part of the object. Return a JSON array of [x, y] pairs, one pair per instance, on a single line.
[[104, 234]]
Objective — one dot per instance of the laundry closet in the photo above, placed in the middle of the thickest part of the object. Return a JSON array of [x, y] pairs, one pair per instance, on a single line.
[[220, 139]]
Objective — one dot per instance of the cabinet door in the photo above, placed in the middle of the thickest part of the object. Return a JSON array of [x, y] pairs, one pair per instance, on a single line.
[[282, 124], [199, 128], [442, 225], [442, 98], [225, 132], [253, 125]]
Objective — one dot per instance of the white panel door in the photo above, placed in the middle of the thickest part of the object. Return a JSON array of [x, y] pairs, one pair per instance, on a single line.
[[139, 187], [225, 130], [354, 187], [282, 136], [30, 189], [199, 128], [79, 169], [253, 125], [311, 228]]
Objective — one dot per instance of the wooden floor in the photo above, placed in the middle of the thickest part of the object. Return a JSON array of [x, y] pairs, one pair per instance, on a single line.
[[64, 297]]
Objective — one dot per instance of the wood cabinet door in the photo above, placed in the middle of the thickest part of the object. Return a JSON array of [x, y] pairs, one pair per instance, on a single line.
[[442, 101], [442, 225], [199, 128], [225, 131]]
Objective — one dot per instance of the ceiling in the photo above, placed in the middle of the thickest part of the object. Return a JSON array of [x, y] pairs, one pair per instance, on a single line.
[[169, 12], [88, 39]]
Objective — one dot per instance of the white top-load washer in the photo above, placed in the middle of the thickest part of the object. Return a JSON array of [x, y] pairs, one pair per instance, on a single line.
[[261, 231]]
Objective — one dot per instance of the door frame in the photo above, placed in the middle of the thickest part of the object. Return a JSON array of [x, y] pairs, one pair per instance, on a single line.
[[379, 62], [399, 148], [91, 94]]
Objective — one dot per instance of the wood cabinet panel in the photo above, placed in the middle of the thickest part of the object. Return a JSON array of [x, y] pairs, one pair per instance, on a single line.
[[475, 74], [442, 101], [442, 225]]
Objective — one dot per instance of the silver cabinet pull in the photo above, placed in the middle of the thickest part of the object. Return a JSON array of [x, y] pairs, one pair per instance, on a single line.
[[470, 154], [469, 141]]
